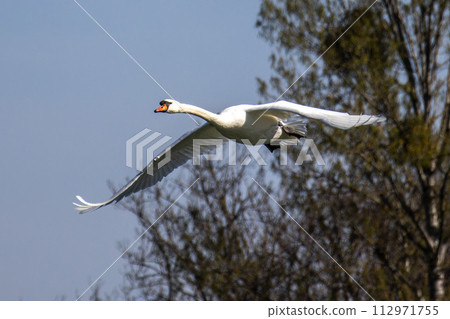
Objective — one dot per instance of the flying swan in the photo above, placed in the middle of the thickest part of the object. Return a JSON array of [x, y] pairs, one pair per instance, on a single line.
[[242, 123]]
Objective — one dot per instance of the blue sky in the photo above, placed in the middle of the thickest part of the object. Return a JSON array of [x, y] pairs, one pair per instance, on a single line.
[[69, 100]]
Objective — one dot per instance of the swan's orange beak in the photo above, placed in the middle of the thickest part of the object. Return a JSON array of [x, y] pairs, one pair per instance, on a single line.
[[162, 108]]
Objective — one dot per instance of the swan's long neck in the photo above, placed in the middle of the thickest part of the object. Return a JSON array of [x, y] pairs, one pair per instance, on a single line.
[[198, 111]]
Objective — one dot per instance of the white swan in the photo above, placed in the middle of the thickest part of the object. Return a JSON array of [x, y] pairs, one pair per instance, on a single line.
[[240, 123]]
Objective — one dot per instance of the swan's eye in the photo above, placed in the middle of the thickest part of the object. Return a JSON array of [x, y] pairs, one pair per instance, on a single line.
[[165, 102]]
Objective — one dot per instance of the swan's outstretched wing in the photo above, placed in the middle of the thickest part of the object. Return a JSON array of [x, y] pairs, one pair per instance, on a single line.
[[180, 152], [336, 119]]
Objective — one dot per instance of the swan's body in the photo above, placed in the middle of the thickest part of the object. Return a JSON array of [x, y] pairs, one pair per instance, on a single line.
[[242, 123]]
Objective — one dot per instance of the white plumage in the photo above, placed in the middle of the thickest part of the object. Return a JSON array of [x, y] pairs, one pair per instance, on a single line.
[[240, 123]]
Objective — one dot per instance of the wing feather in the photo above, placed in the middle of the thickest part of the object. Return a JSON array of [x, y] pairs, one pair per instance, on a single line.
[[180, 152], [339, 120]]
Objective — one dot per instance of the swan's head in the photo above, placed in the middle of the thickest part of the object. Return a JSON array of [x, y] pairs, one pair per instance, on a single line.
[[169, 106]]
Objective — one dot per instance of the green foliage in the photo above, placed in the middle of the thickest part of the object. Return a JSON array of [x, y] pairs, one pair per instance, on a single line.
[[386, 179]]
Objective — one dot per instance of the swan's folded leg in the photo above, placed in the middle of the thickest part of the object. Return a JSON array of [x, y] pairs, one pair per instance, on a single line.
[[295, 128]]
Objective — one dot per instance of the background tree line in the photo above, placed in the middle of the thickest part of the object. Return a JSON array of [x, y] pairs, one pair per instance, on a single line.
[[380, 206]]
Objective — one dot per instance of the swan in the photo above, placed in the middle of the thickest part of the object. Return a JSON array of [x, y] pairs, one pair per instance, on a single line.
[[242, 123]]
